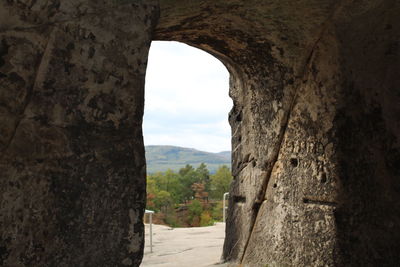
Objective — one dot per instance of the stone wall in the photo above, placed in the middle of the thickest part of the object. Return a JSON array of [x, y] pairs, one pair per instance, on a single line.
[[72, 166], [315, 128]]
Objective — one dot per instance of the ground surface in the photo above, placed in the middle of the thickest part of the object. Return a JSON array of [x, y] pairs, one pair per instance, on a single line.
[[183, 247]]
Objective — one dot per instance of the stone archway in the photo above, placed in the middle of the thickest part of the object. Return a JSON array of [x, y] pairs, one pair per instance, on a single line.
[[303, 122], [315, 128]]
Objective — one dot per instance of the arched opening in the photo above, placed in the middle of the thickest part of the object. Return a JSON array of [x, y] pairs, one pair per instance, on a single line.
[[188, 145]]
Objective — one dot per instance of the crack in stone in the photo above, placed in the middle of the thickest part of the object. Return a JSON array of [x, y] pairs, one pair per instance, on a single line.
[[260, 197], [305, 72], [31, 90]]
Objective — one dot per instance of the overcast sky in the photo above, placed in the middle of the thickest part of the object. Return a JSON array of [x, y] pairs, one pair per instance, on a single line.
[[187, 102]]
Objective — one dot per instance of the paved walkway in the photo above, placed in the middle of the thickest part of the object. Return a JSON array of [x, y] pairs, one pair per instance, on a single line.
[[184, 247]]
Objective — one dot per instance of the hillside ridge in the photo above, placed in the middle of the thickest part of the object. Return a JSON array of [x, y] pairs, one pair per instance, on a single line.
[[160, 158]]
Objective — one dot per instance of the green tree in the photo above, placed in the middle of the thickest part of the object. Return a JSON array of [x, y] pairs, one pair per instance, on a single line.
[[187, 177], [188, 168], [151, 185], [162, 180], [220, 182], [168, 181], [173, 186], [168, 190], [195, 209], [151, 190], [216, 212], [203, 176], [163, 200]]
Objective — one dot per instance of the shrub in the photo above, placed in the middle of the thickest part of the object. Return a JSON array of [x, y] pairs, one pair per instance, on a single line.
[[217, 212], [195, 209], [205, 219]]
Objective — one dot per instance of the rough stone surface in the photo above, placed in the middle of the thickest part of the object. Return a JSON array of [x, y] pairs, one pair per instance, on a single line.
[[72, 166], [315, 128]]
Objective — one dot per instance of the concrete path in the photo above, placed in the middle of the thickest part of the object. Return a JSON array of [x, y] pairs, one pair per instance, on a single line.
[[184, 247]]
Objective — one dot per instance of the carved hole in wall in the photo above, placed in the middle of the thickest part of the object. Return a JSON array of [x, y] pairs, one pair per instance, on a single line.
[[239, 199], [323, 179], [294, 162]]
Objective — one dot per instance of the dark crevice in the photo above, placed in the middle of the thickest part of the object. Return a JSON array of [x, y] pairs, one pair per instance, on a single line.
[[239, 116], [239, 199], [3, 51], [244, 163], [4, 252], [324, 179], [256, 206], [294, 162]]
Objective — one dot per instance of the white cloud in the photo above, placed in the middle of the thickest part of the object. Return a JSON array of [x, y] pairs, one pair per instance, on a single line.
[[187, 100]]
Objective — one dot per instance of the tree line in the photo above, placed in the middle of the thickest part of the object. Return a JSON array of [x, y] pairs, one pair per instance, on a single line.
[[189, 197]]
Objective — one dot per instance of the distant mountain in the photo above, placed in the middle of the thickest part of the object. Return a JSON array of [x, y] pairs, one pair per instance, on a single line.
[[162, 158], [225, 155]]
